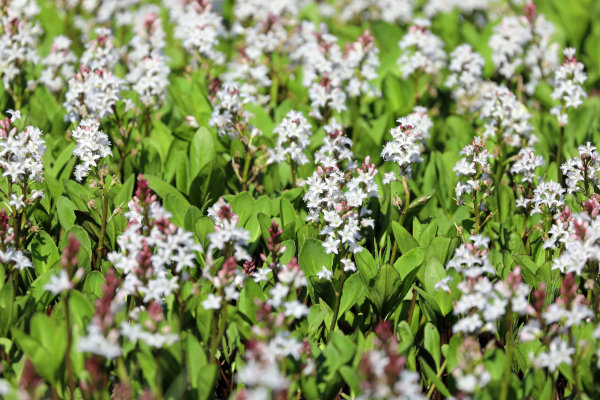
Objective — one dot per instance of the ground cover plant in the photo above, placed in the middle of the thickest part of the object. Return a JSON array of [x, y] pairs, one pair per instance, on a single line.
[[273, 199]]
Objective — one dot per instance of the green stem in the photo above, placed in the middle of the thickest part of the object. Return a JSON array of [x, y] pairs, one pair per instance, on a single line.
[[406, 200], [411, 310], [104, 222], [476, 212], [561, 136], [68, 366], [393, 256], [293, 168], [338, 300], [509, 356], [158, 377], [248, 156], [439, 374], [217, 333]]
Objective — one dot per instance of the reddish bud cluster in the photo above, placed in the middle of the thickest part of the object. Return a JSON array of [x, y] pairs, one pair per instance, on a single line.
[[69, 257], [142, 192], [103, 314]]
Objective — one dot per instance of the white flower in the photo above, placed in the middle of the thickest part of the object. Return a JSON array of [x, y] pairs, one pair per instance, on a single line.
[[212, 302], [331, 245], [558, 353], [5, 388], [568, 90], [278, 293], [325, 274], [405, 148], [92, 146], [296, 309], [58, 283], [293, 137], [349, 265], [96, 343], [421, 50], [443, 284]]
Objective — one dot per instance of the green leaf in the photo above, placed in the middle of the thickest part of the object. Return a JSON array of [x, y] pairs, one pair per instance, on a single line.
[[351, 293], [244, 206], [202, 150], [439, 385], [409, 261], [435, 272], [66, 212], [44, 252], [6, 307], [313, 257], [351, 377], [93, 283], [404, 240], [125, 193], [431, 341], [202, 227]]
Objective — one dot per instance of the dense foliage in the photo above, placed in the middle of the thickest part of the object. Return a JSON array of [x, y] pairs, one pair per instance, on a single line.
[[270, 199]]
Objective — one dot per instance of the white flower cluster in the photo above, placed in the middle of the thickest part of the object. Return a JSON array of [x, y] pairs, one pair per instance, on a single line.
[[541, 59], [293, 137], [405, 148], [227, 232], [582, 171], [526, 164], [475, 171], [263, 375], [547, 198], [506, 117], [336, 148], [338, 202], [290, 278], [251, 68], [466, 68], [92, 146], [150, 79], [59, 64], [391, 11], [421, 50], [21, 155], [261, 10], [525, 42], [149, 35], [101, 53], [331, 74], [17, 44], [470, 373], [231, 241], [568, 90], [508, 43], [148, 69], [134, 332], [406, 385], [483, 303], [420, 120], [434, 7], [95, 89], [579, 236], [198, 28], [471, 259], [228, 115], [153, 251]]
